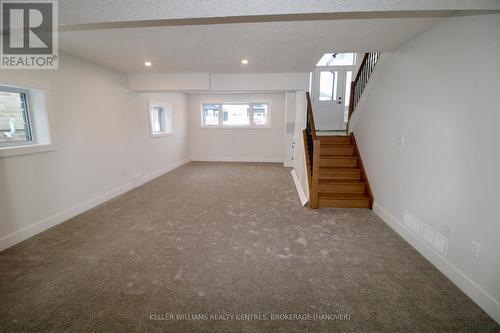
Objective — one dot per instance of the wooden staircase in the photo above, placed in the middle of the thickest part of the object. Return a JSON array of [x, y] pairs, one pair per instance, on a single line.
[[336, 174], [335, 171], [342, 181]]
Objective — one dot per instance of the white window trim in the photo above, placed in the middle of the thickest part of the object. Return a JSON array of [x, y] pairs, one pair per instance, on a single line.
[[165, 106], [26, 149], [48, 142], [235, 127], [355, 61]]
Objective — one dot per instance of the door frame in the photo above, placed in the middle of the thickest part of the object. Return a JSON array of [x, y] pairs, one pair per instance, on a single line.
[[341, 88]]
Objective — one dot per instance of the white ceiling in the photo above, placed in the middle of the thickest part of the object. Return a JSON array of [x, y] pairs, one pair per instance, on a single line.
[[219, 48], [78, 12]]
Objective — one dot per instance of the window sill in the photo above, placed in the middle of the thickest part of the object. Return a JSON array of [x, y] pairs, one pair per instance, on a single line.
[[25, 150], [235, 128], [159, 135]]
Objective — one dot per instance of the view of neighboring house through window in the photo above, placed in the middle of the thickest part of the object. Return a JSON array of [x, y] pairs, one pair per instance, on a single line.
[[14, 117], [211, 114], [235, 115]]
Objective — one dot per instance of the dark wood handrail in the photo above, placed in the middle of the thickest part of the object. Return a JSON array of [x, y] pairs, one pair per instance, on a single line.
[[361, 67], [312, 154], [310, 116], [361, 80]]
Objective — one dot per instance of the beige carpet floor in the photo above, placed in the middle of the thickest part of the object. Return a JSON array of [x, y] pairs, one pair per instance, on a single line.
[[232, 240]]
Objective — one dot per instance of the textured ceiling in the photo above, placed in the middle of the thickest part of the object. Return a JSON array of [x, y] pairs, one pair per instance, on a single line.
[[78, 12], [219, 48]]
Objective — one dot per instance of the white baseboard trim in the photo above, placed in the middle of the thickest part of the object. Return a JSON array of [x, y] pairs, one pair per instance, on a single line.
[[485, 301], [300, 190], [237, 159], [161, 172], [49, 222]]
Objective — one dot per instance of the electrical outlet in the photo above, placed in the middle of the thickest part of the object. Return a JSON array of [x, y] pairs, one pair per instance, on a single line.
[[475, 247]]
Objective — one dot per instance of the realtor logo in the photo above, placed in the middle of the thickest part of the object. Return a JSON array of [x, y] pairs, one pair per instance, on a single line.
[[29, 34]]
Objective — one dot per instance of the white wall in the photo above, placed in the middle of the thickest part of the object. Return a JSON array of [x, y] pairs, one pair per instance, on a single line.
[[440, 93], [290, 107], [252, 145], [169, 81], [102, 137], [207, 82], [299, 159], [162, 152], [259, 82]]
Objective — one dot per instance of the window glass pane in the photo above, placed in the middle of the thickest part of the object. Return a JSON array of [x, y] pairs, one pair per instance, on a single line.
[[157, 119], [328, 86], [337, 59], [211, 114], [236, 114], [233, 114], [260, 114], [14, 125], [347, 98]]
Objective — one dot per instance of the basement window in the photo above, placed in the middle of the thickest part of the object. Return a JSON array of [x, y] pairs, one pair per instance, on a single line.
[[15, 128], [235, 115], [160, 119], [24, 119]]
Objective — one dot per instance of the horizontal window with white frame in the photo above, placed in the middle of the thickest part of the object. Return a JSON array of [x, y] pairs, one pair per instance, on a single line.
[[15, 124], [236, 115]]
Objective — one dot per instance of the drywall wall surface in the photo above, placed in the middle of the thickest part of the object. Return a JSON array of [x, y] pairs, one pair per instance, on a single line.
[[428, 134], [238, 144]]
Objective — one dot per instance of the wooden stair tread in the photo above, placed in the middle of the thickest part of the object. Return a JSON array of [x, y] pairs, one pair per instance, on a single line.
[[350, 196], [336, 150], [339, 161], [337, 157], [334, 168], [337, 145], [334, 139], [340, 181]]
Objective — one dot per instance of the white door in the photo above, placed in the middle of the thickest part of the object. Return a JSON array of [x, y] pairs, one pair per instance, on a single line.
[[330, 97]]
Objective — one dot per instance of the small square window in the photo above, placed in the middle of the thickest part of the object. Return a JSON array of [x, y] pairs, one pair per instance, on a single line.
[[160, 117], [15, 128]]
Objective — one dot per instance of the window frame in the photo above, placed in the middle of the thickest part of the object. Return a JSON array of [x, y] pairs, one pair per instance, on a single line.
[[28, 118], [354, 58], [221, 125], [167, 116]]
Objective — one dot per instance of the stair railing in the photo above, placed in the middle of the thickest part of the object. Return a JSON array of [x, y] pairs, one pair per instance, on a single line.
[[359, 84], [312, 152]]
